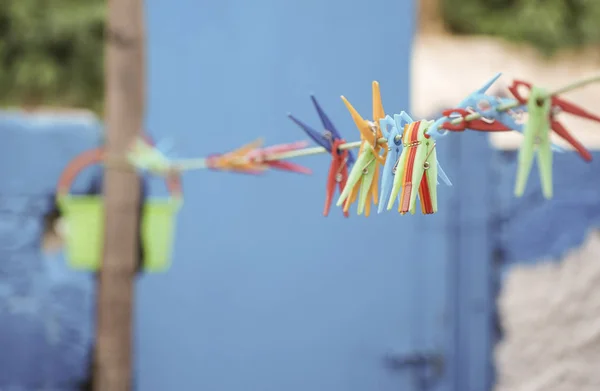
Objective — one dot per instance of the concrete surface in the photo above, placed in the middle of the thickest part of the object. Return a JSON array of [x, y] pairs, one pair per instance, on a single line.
[[446, 68], [551, 317]]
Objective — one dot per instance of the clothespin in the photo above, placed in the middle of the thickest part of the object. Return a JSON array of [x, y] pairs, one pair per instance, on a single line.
[[481, 124], [556, 106], [338, 174], [391, 181], [363, 178], [441, 126], [341, 160], [144, 156], [165, 145], [484, 113], [537, 139], [237, 160], [261, 156], [485, 123], [392, 130], [417, 170]]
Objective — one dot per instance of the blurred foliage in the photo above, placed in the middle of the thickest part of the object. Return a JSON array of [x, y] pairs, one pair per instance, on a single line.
[[547, 24], [51, 53]]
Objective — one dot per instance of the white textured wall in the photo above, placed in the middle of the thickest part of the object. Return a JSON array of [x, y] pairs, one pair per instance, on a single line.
[[551, 315], [551, 310], [445, 69]]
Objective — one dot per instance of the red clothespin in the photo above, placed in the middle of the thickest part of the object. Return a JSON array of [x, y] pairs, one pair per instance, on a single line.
[[479, 124], [338, 174], [261, 156], [559, 105]]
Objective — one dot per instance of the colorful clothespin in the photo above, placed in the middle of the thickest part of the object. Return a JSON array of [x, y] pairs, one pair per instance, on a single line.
[[389, 184], [145, 156], [363, 178], [495, 114], [477, 99], [392, 129], [331, 140], [537, 139], [482, 124], [417, 170], [237, 160], [556, 106], [338, 174], [261, 156]]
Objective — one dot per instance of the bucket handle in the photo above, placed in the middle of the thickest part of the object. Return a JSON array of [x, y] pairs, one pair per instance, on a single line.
[[96, 156]]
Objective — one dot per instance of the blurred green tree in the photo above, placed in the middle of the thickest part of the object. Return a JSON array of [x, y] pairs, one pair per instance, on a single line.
[[548, 25], [51, 53]]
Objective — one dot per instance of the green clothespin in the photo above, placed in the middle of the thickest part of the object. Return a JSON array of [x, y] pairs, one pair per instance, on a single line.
[[364, 176], [537, 140], [364, 170], [369, 183], [145, 157], [416, 171]]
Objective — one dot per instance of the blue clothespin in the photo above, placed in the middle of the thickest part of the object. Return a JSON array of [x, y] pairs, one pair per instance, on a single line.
[[492, 119], [436, 130], [329, 134], [392, 130], [442, 174], [166, 146], [341, 161]]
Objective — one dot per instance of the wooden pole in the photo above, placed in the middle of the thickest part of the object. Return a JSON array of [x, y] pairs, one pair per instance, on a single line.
[[125, 96]]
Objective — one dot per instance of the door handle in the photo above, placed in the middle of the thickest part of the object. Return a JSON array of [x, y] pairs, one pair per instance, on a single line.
[[428, 367]]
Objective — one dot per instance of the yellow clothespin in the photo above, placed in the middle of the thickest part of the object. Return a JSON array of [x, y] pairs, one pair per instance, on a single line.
[[238, 160], [364, 176]]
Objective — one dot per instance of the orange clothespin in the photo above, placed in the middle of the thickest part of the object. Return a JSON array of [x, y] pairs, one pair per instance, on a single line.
[[263, 155], [363, 180], [238, 161]]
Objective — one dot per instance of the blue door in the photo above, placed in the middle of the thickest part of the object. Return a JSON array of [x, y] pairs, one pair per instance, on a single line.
[[265, 293]]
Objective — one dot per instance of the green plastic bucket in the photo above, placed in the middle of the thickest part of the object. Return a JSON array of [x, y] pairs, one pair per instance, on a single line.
[[84, 222]]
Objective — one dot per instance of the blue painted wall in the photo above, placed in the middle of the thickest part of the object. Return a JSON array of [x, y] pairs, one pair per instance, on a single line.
[[45, 310], [265, 293], [532, 228]]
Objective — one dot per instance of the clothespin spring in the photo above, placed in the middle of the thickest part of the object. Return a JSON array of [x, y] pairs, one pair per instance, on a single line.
[[429, 152], [338, 174], [365, 169], [395, 168]]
